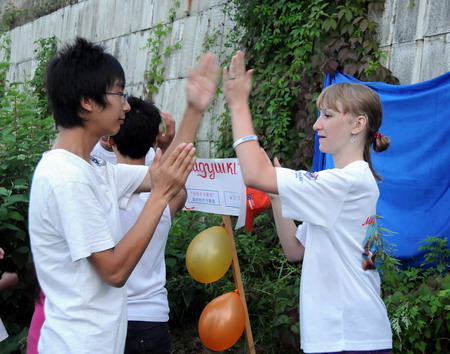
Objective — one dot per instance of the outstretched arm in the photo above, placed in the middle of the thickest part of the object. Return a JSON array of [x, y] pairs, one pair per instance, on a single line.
[[200, 89], [237, 86]]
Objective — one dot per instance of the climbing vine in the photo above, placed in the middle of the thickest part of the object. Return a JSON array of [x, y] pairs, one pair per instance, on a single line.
[[158, 51], [292, 45]]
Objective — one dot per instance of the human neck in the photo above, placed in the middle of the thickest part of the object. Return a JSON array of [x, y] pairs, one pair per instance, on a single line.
[[342, 160], [77, 141]]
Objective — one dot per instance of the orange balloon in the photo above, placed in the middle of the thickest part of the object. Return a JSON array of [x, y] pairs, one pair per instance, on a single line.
[[209, 255], [222, 322]]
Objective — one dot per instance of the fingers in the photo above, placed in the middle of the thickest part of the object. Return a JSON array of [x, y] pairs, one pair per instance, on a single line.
[[184, 157], [207, 65], [188, 164], [169, 122], [276, 163], [237, 67], [156, 160]]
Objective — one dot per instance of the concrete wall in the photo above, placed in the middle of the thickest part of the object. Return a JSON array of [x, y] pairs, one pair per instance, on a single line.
[[416, 38], [123, 27], [414, 34]]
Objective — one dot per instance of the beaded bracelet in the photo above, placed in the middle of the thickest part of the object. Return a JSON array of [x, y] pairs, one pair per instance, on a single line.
[[244, 139]]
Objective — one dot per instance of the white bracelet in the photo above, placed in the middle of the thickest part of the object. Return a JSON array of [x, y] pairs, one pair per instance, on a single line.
[[244, 139]]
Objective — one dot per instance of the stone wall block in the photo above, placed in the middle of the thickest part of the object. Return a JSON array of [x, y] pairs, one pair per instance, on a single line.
[[406, 17], [438, 17], [142, 15], [435, 57], [402, 61]]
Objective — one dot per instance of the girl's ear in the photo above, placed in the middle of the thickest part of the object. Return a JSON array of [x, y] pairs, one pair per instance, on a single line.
[[359, 125]]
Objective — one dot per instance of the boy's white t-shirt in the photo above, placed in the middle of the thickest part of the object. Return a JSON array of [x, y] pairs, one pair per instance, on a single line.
[[340, 304], [74, 212], [146, 292], [147, 296]]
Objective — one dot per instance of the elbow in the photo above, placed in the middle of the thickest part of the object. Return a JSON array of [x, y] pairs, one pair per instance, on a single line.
[[294, 258], [252, 181], [116, 279], [294, 254]]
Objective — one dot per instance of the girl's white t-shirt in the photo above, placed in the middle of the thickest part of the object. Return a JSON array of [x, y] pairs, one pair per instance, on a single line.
[[340, 304]]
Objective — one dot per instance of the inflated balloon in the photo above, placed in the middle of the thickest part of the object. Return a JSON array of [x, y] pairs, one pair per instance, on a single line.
[[209, 255], [222, 322]]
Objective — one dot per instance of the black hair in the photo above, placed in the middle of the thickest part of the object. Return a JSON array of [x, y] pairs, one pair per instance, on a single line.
[[138, 133], [81, 70]]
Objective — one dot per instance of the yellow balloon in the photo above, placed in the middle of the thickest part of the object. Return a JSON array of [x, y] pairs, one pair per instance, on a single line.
[[209, 255]]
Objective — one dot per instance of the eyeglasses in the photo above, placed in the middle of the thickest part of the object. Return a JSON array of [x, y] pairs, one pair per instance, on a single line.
[[123, 95]]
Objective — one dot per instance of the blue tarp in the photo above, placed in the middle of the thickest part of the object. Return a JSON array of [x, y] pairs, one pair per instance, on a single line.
[[415, 191]]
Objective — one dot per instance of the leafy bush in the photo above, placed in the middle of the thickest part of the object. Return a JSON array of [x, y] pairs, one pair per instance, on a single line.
[[418, 300], [26, 133]]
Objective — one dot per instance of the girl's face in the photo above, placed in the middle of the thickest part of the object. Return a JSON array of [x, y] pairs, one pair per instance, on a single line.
[[334, 130]]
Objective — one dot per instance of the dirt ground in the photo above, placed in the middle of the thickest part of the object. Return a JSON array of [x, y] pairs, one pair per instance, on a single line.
[[186, 340]]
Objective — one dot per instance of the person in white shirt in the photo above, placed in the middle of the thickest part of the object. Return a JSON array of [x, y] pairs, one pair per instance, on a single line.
[[148, 307], [74, 201], [340, 305], [103, 148]]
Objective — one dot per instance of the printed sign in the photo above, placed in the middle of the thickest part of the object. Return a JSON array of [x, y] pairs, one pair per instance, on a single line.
[[216, 186]]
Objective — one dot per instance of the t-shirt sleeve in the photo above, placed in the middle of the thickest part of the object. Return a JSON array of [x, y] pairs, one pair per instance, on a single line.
[[127, 179], [301, 234], [316, 198], [80, 219]]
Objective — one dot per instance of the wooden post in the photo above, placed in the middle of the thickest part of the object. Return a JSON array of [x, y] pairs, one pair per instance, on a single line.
[[239, 286]]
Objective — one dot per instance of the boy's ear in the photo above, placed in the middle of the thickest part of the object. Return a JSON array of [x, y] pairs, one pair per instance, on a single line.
[[359, 125], [87, 104]]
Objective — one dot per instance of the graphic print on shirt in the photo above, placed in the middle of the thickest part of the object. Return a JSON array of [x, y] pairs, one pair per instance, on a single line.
[[98, 160], [370, 244], [303, 174]]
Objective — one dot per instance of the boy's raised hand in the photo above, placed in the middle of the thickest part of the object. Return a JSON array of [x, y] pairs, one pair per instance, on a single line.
[[202, 82], [237, 81], [164, 140], [168, 177]]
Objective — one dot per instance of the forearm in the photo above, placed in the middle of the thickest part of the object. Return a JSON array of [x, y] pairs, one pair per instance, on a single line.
[[115, 265], [286, 230], [187, 130], [255, 170]]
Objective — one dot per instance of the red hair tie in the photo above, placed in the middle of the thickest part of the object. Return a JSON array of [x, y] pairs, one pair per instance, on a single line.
[[378, 135]]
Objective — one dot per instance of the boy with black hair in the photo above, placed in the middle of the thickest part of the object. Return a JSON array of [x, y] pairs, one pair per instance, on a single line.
[[74, 202], [148, 307]]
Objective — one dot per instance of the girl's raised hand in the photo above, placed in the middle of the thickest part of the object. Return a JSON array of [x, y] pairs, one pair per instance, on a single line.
[[237, 81]]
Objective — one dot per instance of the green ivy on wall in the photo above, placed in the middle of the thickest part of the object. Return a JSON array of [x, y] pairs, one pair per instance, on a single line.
[[292, 44], [158, 51]]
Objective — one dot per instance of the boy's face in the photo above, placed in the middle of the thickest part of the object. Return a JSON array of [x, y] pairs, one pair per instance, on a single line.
[[107, 121]]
